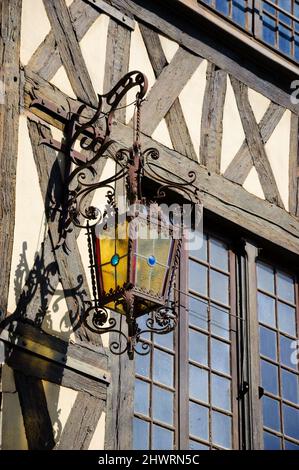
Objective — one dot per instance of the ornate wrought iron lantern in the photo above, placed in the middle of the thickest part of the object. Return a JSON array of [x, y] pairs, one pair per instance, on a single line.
[[133, 251]]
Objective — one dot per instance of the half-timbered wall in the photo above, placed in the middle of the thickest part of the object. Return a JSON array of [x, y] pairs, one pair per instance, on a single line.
[[206, 110]]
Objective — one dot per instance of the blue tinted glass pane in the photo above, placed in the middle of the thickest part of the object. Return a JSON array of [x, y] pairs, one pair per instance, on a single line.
[[290, 445], [219, 322], [286, 319], [271, 413], [285, 40], [218, 254], [162, 438], [296, 14], [287, 6], [141, 402], [285, 287], [268, 8], [198, 421], [271, 442], [239, 12], [198, 277], [221, 429], [164, 340], [198, 347], [162, 405], [265, 277], [222, 6], [269, 374], [290, 390], [221, 392], [266, 309], [198, 313], [291, 421], [142, 365], [220, 360], [198, 383], [140, 434], [163, 368], [269, 27], [287, 352], [219, 287], [201, 251], [268, 345], [296, 50], [193, 445]]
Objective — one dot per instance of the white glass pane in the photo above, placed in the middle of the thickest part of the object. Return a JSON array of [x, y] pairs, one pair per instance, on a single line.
[[140, 434], [221, 429], [198, 419], [219, 287], [141, 402], [286, 319], [220, 360], [285, 287], [198, 383], [198, 347], [162, 405], [266, 309], [218, 254], [163, 368], [198, 278], [265, 277], [221, 392], [219, 322], [198, 313], [162, 438]]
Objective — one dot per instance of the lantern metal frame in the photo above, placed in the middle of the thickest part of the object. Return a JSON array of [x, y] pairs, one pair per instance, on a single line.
[[93, 131]]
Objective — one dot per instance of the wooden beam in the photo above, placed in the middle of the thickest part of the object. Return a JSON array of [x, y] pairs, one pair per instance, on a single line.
[[242, 163], [70, 51], [81, 423], [255, 144], [117, 60], [212, 118], [219, 195], [37, 422], [293, 166], [167, 88], [189, 35], [9, 124], [46, 59], [175, 120]]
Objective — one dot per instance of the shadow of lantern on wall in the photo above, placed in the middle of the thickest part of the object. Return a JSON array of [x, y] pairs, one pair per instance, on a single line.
[[133, 253]]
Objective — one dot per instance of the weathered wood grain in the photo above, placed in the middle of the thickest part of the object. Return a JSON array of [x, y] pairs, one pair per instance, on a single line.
[[212, 118], [70, 51], [117, 60], [179, 28], [219, 195], [81, 423], [174, 118], [167, 88], [293, 166], [255, 144], [9, 123], [242, 162], [37, 422], [46, 59]]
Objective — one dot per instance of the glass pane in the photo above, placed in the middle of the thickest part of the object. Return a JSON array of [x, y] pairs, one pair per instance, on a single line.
[[198, 383], [271, 442], [198, 313], [286, 319], [268, 345], [141, 397], [142, 365], [269, 26], [290, 389], [164, 340], [290, 445], [162, 405], [285, 287], [193, 445], [266, 309], [239, 12], [201, 253], [269, 374], [219, 322], [162, 438], [221, 393], [218, 254], [198, 347], [285, 38], [198, 421], [291, 421], [198, 278], [221, 429], [222, 6], [163, 368], [271, 413], [265, 277], [142, 325], [140, 434], [219, 287], [287, 352], [220, 356]]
